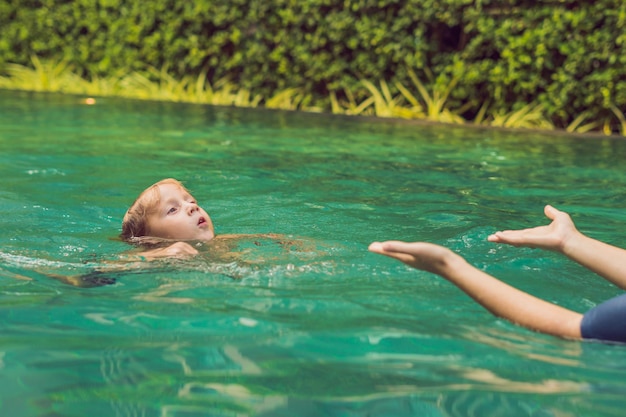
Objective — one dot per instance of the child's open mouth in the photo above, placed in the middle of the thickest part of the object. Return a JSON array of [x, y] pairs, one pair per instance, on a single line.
[[201, 221]]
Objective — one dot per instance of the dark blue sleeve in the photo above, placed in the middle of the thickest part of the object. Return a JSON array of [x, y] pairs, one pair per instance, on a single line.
[[606, 321]]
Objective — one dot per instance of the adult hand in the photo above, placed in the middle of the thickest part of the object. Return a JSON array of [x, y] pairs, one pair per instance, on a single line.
[[420, 255], [551, 237]]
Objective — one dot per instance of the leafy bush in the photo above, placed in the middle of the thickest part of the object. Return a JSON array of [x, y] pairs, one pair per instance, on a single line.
[[564, 57]]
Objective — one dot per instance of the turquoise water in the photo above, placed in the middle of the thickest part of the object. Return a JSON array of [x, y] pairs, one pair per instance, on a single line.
[[334, 331]]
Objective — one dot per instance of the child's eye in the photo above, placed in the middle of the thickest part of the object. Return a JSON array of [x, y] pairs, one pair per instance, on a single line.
[[171, 210]]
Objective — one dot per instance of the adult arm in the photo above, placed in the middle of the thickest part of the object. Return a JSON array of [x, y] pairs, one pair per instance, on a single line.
[[562, 236], [496, 296]]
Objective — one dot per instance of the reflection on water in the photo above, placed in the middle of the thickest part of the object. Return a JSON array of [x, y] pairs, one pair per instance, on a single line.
[[322, 328]]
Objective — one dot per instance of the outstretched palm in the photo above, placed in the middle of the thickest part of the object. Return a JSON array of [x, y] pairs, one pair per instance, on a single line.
[[551, 237]]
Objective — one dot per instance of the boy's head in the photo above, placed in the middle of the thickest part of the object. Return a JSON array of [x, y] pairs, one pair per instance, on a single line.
[[167, 210]]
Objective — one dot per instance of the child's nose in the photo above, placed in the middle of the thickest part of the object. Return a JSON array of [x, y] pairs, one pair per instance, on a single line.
[[191, 207]]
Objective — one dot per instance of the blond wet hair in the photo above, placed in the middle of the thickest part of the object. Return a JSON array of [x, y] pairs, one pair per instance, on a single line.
[[135, 220]]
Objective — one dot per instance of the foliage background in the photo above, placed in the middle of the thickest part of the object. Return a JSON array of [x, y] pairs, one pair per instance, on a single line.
[[566, 57]]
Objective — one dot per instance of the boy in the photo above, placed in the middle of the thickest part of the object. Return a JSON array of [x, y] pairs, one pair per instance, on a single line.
[[166, 211], [167, 215], [606, 321]]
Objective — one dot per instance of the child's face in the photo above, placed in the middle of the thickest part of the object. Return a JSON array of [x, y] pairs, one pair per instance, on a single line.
[[178, 216]]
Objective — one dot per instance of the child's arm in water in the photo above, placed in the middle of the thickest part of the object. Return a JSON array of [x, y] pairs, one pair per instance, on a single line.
[[91, 279], [496, 296], [562, 236], [175, 250], [105, 273], [185, 250], [287, 242], [222, 247]]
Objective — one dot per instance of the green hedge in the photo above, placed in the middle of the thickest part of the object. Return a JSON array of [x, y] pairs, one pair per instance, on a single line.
[[567, 56]]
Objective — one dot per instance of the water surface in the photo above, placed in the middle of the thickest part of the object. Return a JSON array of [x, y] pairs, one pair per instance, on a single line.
[[334, 331]]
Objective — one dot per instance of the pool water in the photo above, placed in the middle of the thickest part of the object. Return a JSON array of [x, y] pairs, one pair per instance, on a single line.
[[329, 330]]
